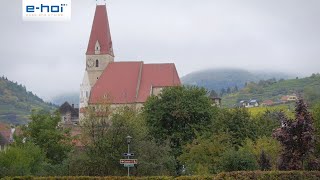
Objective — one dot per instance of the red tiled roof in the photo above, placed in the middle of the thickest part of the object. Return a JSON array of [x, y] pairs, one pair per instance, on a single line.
[[284, 98], [117, 83], [131, 82], [100, 32], [267, 102], [157, 75]]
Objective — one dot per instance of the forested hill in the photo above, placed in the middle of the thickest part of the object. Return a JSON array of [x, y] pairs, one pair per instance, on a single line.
[[218, 79], [271, 89], [16, 102]]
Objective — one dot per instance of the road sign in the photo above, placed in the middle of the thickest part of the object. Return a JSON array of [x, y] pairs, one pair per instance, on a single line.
[[128, 165], [128, 161], [128, 154]]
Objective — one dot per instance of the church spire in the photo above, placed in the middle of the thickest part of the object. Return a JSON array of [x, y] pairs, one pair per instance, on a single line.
[[100, 33]]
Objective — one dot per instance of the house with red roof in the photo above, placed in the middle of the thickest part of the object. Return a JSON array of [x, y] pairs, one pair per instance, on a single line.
[[119, 82]]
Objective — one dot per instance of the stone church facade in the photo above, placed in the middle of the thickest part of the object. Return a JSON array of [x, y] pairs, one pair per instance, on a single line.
[[121, 83]]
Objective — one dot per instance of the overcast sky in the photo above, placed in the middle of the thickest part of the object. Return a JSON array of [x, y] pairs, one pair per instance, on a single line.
[[49, 58]]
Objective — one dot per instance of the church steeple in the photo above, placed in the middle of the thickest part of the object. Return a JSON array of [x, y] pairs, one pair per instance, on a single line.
[[100, 33], [99, 52]]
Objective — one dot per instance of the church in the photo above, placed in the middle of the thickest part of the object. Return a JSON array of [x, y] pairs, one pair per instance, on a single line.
[[122, 83]]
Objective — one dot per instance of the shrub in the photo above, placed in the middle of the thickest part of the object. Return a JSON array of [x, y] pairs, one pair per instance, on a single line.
[[241, 160]]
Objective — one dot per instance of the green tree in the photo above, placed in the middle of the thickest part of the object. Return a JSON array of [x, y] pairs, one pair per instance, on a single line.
[[264, 162], [267, 122], [235, 122], [44, 132], [177, 115], [316, 117], [203, 155], [104, 131], [22, 160], [241, 160], [268, 145], [312, 94]]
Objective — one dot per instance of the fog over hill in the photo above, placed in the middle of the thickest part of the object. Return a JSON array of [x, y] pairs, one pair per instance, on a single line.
[[71, 98], [279, 35], [216, 79]]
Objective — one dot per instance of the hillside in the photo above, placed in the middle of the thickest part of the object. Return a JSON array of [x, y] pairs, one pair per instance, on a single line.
[[217, 79], [16, 102], [308, 87]]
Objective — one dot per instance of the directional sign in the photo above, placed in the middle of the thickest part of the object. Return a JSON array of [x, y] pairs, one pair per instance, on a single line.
[[128, 161], [128, 165], [128, 154]]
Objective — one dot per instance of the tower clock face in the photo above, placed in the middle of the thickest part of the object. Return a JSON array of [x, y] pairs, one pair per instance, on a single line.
[[90, 63]]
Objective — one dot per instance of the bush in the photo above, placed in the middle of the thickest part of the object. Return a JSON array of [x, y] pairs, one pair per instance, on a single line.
[[238, 175], [270, 175], [241, 160]]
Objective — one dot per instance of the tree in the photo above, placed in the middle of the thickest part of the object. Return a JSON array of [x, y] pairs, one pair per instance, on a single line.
[[213, 93], [203, 155], [222, 92], [228, 90], [233, 160], [235, 122], [267, 122], [268, 145], [312, 95], [264, 162], [316, 116], [104, 130], [25, 159], [297, 138], [177, 115], [236, 89], [44, 132]]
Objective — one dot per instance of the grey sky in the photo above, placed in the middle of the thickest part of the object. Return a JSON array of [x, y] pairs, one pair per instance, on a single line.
[[49, 58]]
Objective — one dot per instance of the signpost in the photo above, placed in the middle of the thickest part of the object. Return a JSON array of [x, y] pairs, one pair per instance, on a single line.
[[128, 163], [128, 154]]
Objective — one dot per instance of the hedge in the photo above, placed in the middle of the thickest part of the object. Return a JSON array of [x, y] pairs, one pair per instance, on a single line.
[[239, 175]]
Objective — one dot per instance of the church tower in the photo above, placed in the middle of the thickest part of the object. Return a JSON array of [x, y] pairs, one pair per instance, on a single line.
[[99, 53]]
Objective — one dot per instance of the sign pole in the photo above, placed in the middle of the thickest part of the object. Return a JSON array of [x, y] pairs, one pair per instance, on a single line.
[[128, 163], [128, 158]]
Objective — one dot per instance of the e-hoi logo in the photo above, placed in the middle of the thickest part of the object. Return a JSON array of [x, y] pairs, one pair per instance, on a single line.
[[46, 10]]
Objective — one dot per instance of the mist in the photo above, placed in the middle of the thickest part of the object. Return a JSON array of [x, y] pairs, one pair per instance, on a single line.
[[49, 57]]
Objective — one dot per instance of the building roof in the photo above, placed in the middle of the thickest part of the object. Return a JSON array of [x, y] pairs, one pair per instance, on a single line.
[[156, 75], [66, 107], [284, 98], [100, 32], [132, 82], [253, 101], [268, 102]]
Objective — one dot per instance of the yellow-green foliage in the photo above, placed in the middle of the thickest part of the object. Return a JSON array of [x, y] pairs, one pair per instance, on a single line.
[[309, 87], [287, 109], [203, 155], [270, 146]]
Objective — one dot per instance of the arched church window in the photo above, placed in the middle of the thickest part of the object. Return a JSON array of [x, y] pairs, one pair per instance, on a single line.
[[97, 63]]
